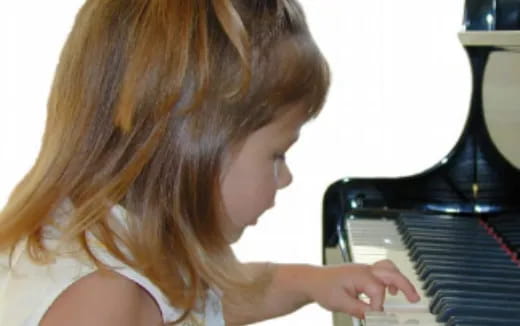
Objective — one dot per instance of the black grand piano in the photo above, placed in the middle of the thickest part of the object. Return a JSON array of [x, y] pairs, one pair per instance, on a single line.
[[454, 229]]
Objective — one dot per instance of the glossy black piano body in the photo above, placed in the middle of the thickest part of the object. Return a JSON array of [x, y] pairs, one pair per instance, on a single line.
[[474, 180]]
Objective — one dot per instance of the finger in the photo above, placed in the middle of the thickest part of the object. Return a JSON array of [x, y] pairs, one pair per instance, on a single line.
[[390, 278], [355, 307], [387, 264], [376, 292]]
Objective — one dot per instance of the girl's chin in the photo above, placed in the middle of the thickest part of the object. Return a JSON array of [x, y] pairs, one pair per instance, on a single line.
[[236, 234], [233, 237]]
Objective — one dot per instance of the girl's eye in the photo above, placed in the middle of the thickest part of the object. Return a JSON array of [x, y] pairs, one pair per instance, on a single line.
[[279, 157], [278, 163]]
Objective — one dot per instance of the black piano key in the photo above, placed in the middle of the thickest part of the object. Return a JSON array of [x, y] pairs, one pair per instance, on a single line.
[[430, 260], [498, 265], [439, 226], [510, 224], [408, 236], [514, 238], [467, 240], [480, 321], [456, 257], [477, 311], [425, 228], [455, 246], [487, 271], [442, 230], [506, 230], [486, 295], [405, 217], [493, 281], [476, 301], [436, 285], [404, 223], [468, 252], [450, 248], [457, 222]]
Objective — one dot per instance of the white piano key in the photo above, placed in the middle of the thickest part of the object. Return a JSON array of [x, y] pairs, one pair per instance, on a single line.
[[399, 319], [374, 240]]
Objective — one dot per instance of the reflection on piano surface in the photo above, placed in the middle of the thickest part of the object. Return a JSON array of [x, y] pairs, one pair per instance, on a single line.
[[454, 230]]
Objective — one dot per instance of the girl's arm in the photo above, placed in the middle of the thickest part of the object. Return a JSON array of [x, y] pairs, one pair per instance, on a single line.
[[335, 288]]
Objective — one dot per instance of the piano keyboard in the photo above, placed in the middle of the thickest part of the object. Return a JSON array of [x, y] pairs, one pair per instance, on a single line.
[[464, 272]]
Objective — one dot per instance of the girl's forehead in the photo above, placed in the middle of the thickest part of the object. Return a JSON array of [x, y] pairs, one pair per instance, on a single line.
[[285, 128], [293, 117]]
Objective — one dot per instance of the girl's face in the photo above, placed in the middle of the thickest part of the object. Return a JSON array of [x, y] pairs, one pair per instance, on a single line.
[[256, 171]]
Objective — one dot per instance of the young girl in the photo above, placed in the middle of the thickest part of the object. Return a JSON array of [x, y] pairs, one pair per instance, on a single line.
[[166, 130]]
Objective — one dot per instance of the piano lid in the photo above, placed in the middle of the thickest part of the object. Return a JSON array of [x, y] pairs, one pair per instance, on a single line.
[[480, 174], [482, 170]]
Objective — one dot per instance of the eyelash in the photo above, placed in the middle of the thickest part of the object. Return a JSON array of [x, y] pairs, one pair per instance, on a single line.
[[279, 156]]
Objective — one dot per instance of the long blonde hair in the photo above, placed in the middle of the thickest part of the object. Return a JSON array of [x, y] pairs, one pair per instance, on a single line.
[[148, 99]]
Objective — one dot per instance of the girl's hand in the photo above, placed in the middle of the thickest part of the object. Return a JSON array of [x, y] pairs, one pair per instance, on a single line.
[[336, 288]]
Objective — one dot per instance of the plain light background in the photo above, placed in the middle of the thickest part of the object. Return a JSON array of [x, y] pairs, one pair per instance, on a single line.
[[399, 98]]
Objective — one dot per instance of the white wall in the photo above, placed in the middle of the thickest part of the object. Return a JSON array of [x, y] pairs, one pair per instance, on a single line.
[[400, 94]]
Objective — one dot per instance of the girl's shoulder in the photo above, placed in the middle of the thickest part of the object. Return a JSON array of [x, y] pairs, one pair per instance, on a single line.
[[28, 288], [111, 298]]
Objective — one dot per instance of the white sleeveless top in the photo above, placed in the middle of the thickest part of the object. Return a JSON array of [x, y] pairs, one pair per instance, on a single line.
[[27, 290]]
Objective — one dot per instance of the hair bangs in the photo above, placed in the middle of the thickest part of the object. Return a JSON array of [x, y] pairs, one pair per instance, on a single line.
[[298, 73]]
